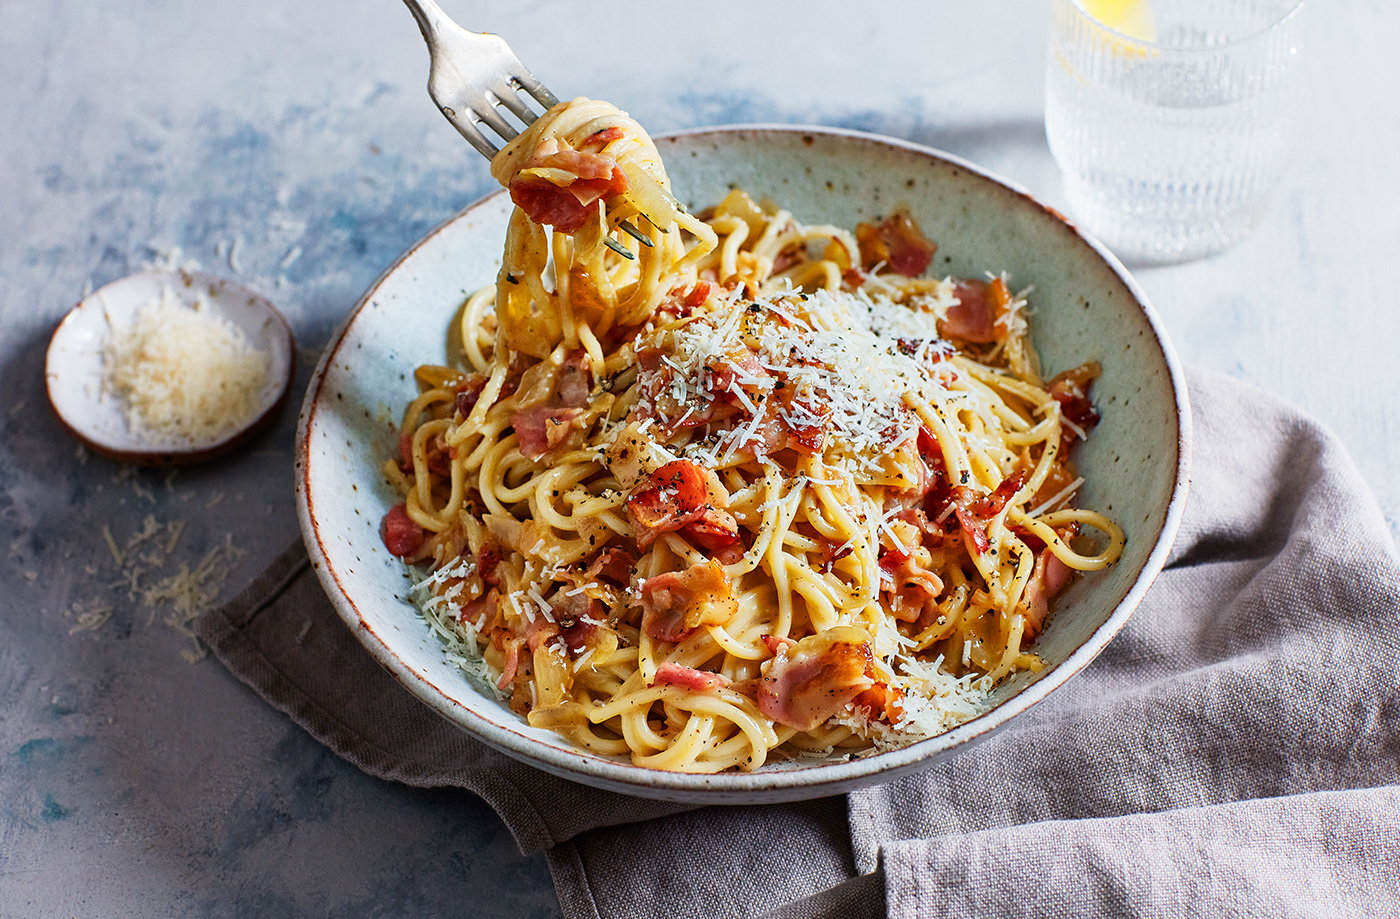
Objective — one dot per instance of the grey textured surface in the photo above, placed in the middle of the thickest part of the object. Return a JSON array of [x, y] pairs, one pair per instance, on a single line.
[[292, 147]]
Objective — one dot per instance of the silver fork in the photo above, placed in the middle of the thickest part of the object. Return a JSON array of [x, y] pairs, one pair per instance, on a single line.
[[472, 76]]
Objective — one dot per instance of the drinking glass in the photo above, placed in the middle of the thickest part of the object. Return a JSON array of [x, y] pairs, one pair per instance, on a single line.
[[1171, 120]]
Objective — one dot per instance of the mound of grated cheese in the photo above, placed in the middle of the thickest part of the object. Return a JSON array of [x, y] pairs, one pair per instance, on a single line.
[[184, 373]]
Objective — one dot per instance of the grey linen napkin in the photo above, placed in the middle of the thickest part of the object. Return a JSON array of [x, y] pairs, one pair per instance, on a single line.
[[1234, 752]]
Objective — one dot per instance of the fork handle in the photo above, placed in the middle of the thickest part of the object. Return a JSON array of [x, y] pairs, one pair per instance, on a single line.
[[429, 16]]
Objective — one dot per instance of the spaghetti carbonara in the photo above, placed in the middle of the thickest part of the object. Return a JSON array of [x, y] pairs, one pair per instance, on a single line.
[[709, 489]]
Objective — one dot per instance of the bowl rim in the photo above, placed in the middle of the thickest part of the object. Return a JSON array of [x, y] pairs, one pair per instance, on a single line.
[[819, 779]]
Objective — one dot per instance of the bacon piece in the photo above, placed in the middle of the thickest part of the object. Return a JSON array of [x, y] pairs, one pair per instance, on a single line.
[[469, 393], [776, 645], [974, 532], [832, 552], [673, 674], [881, 702], [739, 369], [811, 681], [487, 561], [973, 318], [698, 294], [575, 380], [553, 404], [567, 206], [577, 615], [667, 500], [1049, 578], [401, 535], [1071, 390], [541, 428], [578, 635], [681, 496], [539, 630], [717, 533], [613, 564], [676, 602], [512, 663], [602, 138], [807, 435], [787, 258], [913, 588], [483, 609], [548, 204], [974, 510], [992, 504], [897, 242]]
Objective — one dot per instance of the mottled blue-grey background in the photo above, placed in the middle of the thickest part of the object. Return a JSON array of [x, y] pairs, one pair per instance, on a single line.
[[292, 147]]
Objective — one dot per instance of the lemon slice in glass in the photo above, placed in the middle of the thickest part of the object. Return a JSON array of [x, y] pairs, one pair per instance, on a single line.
[[1131, 18]]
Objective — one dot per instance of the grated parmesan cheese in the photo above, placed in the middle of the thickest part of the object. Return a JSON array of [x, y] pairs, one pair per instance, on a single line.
[[184, 373]]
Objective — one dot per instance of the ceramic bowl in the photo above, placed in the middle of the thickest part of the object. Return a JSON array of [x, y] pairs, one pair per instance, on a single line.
[[1086, 307], [75, 371]]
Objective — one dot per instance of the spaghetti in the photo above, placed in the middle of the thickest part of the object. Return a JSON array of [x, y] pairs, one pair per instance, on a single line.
[[708, 487]]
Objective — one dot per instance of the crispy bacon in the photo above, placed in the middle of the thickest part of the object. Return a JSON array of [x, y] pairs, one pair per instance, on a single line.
[[602, 138], [676, 602], [1071, 390], [699, 292], [678, 497], [667, 500], [401, 535], [973, 510], [812, 680], [974, 317], [992, 504], [487, 561], [807, 435], [881, 702], [896, 242], [974, 531], [673, 674], [566, 207], [717, 533]]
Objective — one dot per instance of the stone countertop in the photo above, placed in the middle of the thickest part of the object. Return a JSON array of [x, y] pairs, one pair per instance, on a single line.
[[292, 147]]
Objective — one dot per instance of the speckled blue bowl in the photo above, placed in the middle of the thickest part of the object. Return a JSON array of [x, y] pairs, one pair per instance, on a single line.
[[1086, 307]]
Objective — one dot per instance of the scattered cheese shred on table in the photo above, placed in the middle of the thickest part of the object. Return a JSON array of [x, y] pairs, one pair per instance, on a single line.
[[185, 373]]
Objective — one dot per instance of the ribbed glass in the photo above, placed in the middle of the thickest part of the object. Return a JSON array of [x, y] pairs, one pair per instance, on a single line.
[[1171, 138]]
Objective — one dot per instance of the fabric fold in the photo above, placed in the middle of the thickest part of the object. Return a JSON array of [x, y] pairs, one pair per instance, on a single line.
[[1324, 854]]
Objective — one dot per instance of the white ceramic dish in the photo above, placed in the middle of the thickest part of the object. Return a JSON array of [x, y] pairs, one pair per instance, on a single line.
[[74, 369], [1086, 307]]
